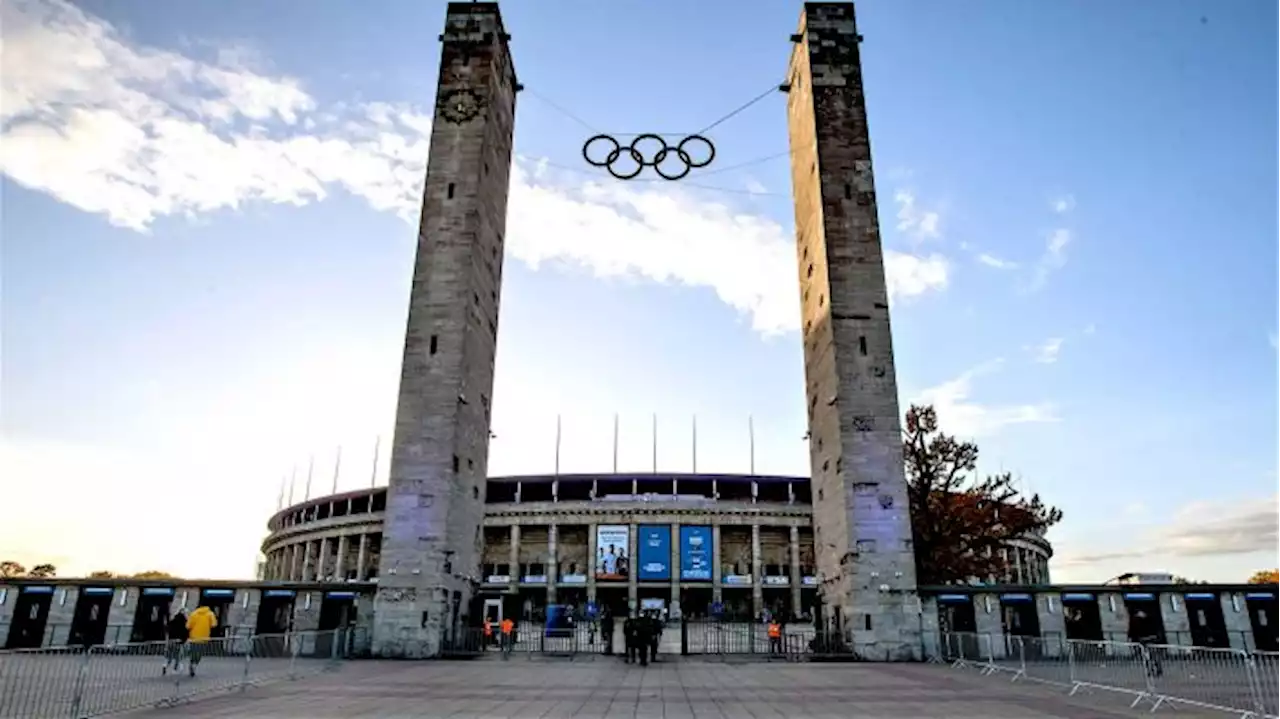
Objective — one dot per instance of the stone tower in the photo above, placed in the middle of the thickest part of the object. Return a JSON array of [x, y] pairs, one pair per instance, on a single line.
[[862, 526], [435, 503]]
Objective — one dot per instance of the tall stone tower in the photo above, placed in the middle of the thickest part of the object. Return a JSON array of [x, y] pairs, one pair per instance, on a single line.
[[861, 519], [435, 504]]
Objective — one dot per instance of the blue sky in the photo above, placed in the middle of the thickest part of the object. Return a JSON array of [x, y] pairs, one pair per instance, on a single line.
[[207, 247]]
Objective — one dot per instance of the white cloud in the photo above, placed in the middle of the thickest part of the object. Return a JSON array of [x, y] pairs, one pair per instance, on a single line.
[[960, 415], [1064, 204], [996, 262], [1047, 352], [913, 221], [136, 134], [1054, 258]]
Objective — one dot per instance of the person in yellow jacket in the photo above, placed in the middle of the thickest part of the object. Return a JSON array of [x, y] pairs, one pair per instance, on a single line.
[[199, 629]]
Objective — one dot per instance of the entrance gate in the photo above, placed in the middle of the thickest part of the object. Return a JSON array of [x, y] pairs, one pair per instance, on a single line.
[[30, 615], [152, 614], [89, 623]]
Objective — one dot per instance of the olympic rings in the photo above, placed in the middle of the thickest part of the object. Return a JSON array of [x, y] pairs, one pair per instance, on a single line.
[[638, 157]]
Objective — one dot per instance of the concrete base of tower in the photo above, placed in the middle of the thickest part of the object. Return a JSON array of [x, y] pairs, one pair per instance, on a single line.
[[408, 624], [882, 627]]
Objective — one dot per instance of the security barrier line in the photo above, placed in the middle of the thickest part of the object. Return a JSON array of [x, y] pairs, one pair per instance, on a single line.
[[77, 682], [1227, 680]]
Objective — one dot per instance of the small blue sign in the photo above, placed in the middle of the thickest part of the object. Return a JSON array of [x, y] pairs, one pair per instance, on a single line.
[[1013, 598], [280, 593], [98, 591], [340, 595], [1077, 597], [653, 549], [1140, 596], [157, 591], [953, 598], [219, 592], [1267, 596], [695, 553], [37, 589], [1200, 596]]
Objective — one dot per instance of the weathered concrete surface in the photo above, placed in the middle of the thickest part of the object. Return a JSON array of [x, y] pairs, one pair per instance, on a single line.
[[862, 527], [431, 540], [547, 690]]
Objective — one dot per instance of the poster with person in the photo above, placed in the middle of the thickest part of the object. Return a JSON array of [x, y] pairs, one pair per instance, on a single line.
[[612, 561]]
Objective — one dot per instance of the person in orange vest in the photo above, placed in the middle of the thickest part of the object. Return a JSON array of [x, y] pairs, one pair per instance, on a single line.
[[488, 632], [508, 636], [199, 628], [775, 637]]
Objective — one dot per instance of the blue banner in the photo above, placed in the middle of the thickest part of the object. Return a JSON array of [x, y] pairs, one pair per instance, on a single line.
[[653, 545], [695, 553]]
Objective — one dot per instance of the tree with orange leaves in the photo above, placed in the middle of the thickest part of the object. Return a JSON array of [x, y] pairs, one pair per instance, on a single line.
[[961, 523], [1265, 576]]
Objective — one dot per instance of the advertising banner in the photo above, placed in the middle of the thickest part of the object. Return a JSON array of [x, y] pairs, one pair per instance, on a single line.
[[653, 550], [695, 553], [612, 561]]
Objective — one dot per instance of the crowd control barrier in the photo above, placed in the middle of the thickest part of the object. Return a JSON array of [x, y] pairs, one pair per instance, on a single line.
[[79, 682], [1154, 675]]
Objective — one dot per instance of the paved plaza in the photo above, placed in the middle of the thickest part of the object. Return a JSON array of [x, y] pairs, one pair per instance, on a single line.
[[607, 688]]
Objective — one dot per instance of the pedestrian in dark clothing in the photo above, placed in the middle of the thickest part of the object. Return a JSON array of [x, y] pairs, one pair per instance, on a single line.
[[176, 637], [641, 642], [655, 636], [606, 628], [629, 638]]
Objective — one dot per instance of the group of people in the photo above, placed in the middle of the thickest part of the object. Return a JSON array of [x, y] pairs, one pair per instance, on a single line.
[[506, 640], [642, 635], [186, 638]]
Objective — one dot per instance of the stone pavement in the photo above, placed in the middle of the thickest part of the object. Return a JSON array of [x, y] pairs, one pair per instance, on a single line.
[[677, 690]]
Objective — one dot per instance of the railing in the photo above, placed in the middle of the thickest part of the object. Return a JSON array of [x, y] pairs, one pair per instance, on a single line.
[[77, 682], [1229, 680]]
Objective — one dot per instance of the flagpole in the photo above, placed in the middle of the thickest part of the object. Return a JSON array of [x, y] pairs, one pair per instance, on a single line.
[[373, 477], [655, 442], [615, 442], [695, 444], [557, 445], [337, 466], [293, 478], [280, 498], [311, 465], [751, 436]]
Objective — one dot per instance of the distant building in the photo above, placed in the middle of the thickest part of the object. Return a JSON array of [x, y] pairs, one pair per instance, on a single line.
[[1142, 578]]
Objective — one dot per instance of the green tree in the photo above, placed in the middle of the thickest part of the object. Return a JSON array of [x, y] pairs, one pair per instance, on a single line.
[[960, 522], [43, 571]]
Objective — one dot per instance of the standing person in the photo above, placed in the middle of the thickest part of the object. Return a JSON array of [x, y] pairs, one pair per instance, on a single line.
[[642, 631], [606, 629], [629, 638], [508, 636], [176, 636], [655, 635], [775, 637], [199, 628]]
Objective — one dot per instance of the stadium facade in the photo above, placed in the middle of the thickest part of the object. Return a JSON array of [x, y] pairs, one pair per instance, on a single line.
[[735, 546]]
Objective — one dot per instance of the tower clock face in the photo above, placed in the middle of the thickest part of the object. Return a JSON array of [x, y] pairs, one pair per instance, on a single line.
[[459, 106]]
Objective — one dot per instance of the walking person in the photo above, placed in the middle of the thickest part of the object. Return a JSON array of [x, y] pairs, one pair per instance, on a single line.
[[175, 631], [655, 635], [199, 629], [629, 638]]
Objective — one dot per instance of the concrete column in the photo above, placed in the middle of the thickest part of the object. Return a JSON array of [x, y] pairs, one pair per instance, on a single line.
[[1115, 620], [796, 579], [513, 556], [340, 564], [1017, 567], [361, 554], [633, 600], [930, 632], [1177, 625], [1053, 626], [591, 562], [757, 565], [322, 559], [1235, 615], [717, 593], [674, 563], [308, 566], [295, 564], [990, 623], [553, 559]]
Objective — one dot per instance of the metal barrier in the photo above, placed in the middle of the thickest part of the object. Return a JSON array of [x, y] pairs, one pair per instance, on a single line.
[[1229, 680], [78, 682]]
